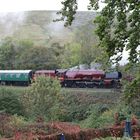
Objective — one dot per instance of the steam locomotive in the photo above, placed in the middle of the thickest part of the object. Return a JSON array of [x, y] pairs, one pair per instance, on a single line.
[[91, 78], [86, 78], [76, 78]]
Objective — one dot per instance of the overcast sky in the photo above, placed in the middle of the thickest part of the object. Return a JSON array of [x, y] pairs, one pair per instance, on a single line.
[[26, 5]]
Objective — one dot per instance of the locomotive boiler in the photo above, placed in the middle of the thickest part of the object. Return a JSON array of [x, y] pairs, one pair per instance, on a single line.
[[89, 78]]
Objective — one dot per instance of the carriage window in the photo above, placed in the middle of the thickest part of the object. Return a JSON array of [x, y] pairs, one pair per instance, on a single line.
[[17, 75], [26, 75], [11, 75], [6, 75]]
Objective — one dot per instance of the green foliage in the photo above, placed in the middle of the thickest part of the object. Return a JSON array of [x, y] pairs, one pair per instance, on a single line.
[[117, 25], [103, 116], [77, 105], [7, 54], [82, 53], [69, 10], [15, 90], [119, 29], [18, 122], [89, 51], [71, 55], [42, 98], [10, 52], [98, 118], [31, 47], [9, 102], [34, 58], [24, 55], [132, 95], [43, 57], [84, 49], [73, 108], [57, 55]]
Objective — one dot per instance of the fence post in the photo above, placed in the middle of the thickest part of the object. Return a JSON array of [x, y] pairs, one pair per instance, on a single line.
[[62, 137], [127, 129]]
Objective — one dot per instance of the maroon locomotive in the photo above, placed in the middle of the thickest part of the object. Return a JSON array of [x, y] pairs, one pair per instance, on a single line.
[[84, 78]]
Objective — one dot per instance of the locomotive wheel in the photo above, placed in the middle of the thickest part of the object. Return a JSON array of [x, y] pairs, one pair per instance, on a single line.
[[3, 83], [90, 86], [82, 85], [68, 83], [74, 85]]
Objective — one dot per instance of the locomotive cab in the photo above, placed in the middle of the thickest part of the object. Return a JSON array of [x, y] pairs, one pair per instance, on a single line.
[[112, 79]]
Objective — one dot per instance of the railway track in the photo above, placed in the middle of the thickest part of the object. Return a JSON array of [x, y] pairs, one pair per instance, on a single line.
[[88, 89]]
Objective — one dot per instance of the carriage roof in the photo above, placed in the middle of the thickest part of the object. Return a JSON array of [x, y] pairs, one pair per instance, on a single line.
[[15, 71]]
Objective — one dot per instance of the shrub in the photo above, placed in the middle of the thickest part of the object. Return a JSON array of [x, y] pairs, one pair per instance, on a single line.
[[9, 102], [17, 122], [76, 103], [42, 98], [74, 108], [132, 95], [11, 124], [98, 118]]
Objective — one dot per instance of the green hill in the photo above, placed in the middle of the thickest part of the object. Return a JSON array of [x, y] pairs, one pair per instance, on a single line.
[[39, 27]]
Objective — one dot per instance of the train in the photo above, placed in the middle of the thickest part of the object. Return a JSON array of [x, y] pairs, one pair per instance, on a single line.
[[73, 78], [16, 77], [89, 78]]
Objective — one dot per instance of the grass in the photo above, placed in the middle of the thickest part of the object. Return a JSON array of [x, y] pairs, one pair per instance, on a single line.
[[83, 94], [104, 96], [14, 89]]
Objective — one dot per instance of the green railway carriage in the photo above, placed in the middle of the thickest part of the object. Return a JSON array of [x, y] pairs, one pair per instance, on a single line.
[[15, 77]]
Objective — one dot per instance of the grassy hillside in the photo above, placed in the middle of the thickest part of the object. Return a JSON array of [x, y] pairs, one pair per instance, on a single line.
[[39, 27]]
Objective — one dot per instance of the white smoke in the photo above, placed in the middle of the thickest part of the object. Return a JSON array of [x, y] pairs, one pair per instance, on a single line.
[[10, 22]]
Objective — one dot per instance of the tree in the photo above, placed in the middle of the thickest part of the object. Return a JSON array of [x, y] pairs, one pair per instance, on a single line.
[[89, 51], [70, 56], [83, 49], [23, 54], [9, 102], [57, 52], [118, 25], [42, 98], [132, 95], [118, 29], [7, 54], [39, 57], [10, 52]]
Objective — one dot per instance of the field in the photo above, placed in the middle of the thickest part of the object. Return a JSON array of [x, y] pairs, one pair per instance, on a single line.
[[77, 103], [101, 96], [94, 95], [111, 95], [78, 109]]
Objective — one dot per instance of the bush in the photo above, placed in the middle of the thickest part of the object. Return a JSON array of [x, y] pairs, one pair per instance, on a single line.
[[132, 95], [17, 122], [74, 108], [11, 124], [9, 102], [42, 99], [98, 118], [76, 104]]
